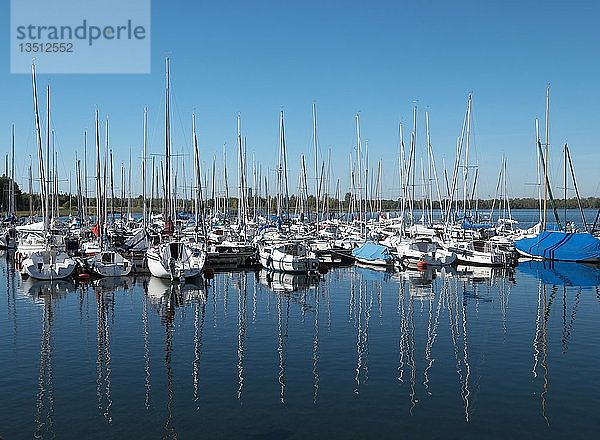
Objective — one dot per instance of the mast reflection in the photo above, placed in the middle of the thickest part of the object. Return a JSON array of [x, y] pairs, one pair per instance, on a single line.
[[105, 319], [165, 298], [46, 293]]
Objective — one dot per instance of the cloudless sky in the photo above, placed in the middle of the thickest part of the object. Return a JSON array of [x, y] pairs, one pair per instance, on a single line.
[[378, 58]]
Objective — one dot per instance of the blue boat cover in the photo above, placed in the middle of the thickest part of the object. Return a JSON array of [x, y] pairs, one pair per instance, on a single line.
[[561, 246], [562, 273], [467, 224], [371, 251]]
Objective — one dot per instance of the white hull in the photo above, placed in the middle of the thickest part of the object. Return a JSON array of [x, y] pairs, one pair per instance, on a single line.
[[48, 265], [175, 260], [109, 264], [8, 239], [376, 262], [411, 252], [289, 258], [478, 253]]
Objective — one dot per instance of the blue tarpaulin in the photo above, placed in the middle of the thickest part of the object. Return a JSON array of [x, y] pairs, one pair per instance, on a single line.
[[561, 246], [467, 224], [371, 251]]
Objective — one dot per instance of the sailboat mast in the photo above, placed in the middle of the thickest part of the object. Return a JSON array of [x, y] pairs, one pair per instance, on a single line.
[[98, 180], [167, 172], [539, 161], [241, 198], [144, 154], [358, 167], [38, 132], [546, 156], [12, 172], [466, 166], [280, 167], [30, 175], [317, 186], [46, 183], [129, 188], [85, 188]]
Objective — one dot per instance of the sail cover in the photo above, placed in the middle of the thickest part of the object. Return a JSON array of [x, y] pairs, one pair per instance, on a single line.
[[371, 251], [561, 246]]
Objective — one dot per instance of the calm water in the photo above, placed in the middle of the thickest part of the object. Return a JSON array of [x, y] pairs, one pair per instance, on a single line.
[[355, 354]]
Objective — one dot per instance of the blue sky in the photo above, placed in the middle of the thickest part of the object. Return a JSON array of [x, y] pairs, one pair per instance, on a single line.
[[257, 57]]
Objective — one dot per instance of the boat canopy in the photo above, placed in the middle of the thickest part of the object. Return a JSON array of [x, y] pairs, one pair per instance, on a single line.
[[561, 246], [467, 224], [371, 251]]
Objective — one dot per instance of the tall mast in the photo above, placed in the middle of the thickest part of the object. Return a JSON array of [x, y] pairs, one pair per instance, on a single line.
[[98, 180], [225, 182], [280, 166], [145, 153], [52, 178], [214, 200], [546, 155], [539, 161], [466, 166], [198, 199], [122, 190], [358, 167], [38, 132], [129, 188], [30, 175], [85, 188], [196, 172], [241, 198], [167, 173], [46, 182], [12, 173], [316, 146]]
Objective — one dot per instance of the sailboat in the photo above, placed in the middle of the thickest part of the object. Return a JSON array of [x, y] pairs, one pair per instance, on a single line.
[[561, 245], [173, 258], [107, 262], [49, 263], [8, 234]]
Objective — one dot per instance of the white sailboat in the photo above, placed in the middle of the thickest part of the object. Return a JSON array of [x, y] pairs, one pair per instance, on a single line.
[[8, 233], [106, 262], [291, 257], [173, 258], [412, 251], [50, 263]]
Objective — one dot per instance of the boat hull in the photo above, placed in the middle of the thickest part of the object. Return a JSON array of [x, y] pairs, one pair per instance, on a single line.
[[175, 260], [48, 265]]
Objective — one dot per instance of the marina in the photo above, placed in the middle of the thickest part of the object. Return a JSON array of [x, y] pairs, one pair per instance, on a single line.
[[352, 353], [299, 220]]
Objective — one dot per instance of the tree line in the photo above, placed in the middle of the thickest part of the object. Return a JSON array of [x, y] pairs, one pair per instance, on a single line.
[[23, 200]]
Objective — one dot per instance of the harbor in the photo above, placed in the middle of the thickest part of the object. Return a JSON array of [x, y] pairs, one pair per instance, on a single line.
[[299, 220], [355, 352]]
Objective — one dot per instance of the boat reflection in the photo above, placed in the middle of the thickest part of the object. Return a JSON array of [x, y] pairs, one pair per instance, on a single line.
[[420, 281], [482, 274], [105, 320], [39, 290], [280, 282], [437, 295], [561, 273], [170, 295], [165, 297], [113, 284]]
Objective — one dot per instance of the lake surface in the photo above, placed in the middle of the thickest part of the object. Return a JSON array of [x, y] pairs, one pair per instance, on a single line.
[[356, 353]]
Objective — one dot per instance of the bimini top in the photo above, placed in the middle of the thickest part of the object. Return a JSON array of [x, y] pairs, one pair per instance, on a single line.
[[371, 251], [561, 246]]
